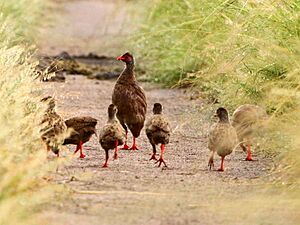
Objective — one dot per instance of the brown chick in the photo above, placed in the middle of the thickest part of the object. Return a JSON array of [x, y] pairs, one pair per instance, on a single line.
[[158, 132], [82, 128], [130, 100], [222, 138], [54, 128], [246, 119], [112, 134]]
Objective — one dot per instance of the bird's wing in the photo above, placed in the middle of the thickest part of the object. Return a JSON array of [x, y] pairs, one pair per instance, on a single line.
[[78, 123]]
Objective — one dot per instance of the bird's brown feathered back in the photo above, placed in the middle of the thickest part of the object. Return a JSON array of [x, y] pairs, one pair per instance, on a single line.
[[130, 100], [111, 132], [53, 129], [222, 137], [158, 129], [246, 119], [82, 128]]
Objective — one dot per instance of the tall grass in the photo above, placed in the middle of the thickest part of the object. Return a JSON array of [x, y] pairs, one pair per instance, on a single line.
[[234, 52], [22, 164]]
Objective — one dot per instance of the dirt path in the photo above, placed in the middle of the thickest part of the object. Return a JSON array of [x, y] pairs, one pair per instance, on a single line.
[[87, 26], [133, 190]]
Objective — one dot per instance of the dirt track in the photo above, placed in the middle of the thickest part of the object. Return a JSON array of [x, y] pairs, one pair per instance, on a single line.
[[133, 190]]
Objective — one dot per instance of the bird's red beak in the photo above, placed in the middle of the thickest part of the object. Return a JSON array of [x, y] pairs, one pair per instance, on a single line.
[[120, 58]]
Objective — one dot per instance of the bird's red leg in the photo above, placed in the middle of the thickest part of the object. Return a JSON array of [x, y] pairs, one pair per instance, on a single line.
[[161, 158], [125, 147], [153, 157], [134, 147], [77, 149], [106, 159], [116, 149], [80, 148], [249, 155], [222, 164]]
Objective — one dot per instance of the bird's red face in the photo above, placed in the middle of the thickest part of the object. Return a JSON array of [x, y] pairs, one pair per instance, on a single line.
[[127, 57]]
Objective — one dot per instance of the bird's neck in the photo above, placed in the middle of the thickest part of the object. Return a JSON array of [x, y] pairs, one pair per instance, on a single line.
[[128, 73], [130, 66], [112, 118], [224, 119], [50, 111]]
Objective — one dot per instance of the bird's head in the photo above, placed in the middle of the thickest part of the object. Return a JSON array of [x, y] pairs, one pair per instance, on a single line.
[[157, 108], [55, 149], [50, 101], [127, 58], [222, 114], [112, 111]]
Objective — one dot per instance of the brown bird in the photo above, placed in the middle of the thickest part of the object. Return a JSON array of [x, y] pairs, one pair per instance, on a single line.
[[222, 138], [158, 132], [112, 134], [54, 128], [82, 128], [130, 100], [246, 119]]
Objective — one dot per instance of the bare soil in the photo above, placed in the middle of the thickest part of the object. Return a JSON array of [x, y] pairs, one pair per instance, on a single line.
[[133, 190]]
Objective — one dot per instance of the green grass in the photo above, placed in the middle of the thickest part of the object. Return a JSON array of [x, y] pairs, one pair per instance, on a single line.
[[22, 153], [228, 49], [233, 52]]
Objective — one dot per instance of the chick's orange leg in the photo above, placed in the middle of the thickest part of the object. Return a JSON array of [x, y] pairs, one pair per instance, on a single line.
[[77, 149], [211, 160], [116, 149], [249, 154], [221, 169], [81, 152], [106, 159], [153, 157], [161, 158], [125, 147]]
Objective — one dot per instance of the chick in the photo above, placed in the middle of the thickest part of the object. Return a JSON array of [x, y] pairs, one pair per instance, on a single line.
[[112, 134], [247, 119], [158, 132], [222, 138]]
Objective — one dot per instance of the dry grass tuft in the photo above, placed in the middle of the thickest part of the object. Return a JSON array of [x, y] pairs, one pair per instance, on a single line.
[[22, 153]]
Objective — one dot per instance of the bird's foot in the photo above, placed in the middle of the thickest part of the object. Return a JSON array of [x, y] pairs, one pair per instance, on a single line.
[[105, 165], [211, 164], [221, 170], [249, 159], [82, 156], [125, 147], [115, 156], [134, 147], [161, 160], [153, 157]]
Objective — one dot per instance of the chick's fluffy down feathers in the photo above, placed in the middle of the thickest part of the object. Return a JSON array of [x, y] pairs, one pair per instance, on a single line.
[[158, 129], [222, 138], [78, 123], [82, 128], [248, 118], [110, 133], [54, 130]]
